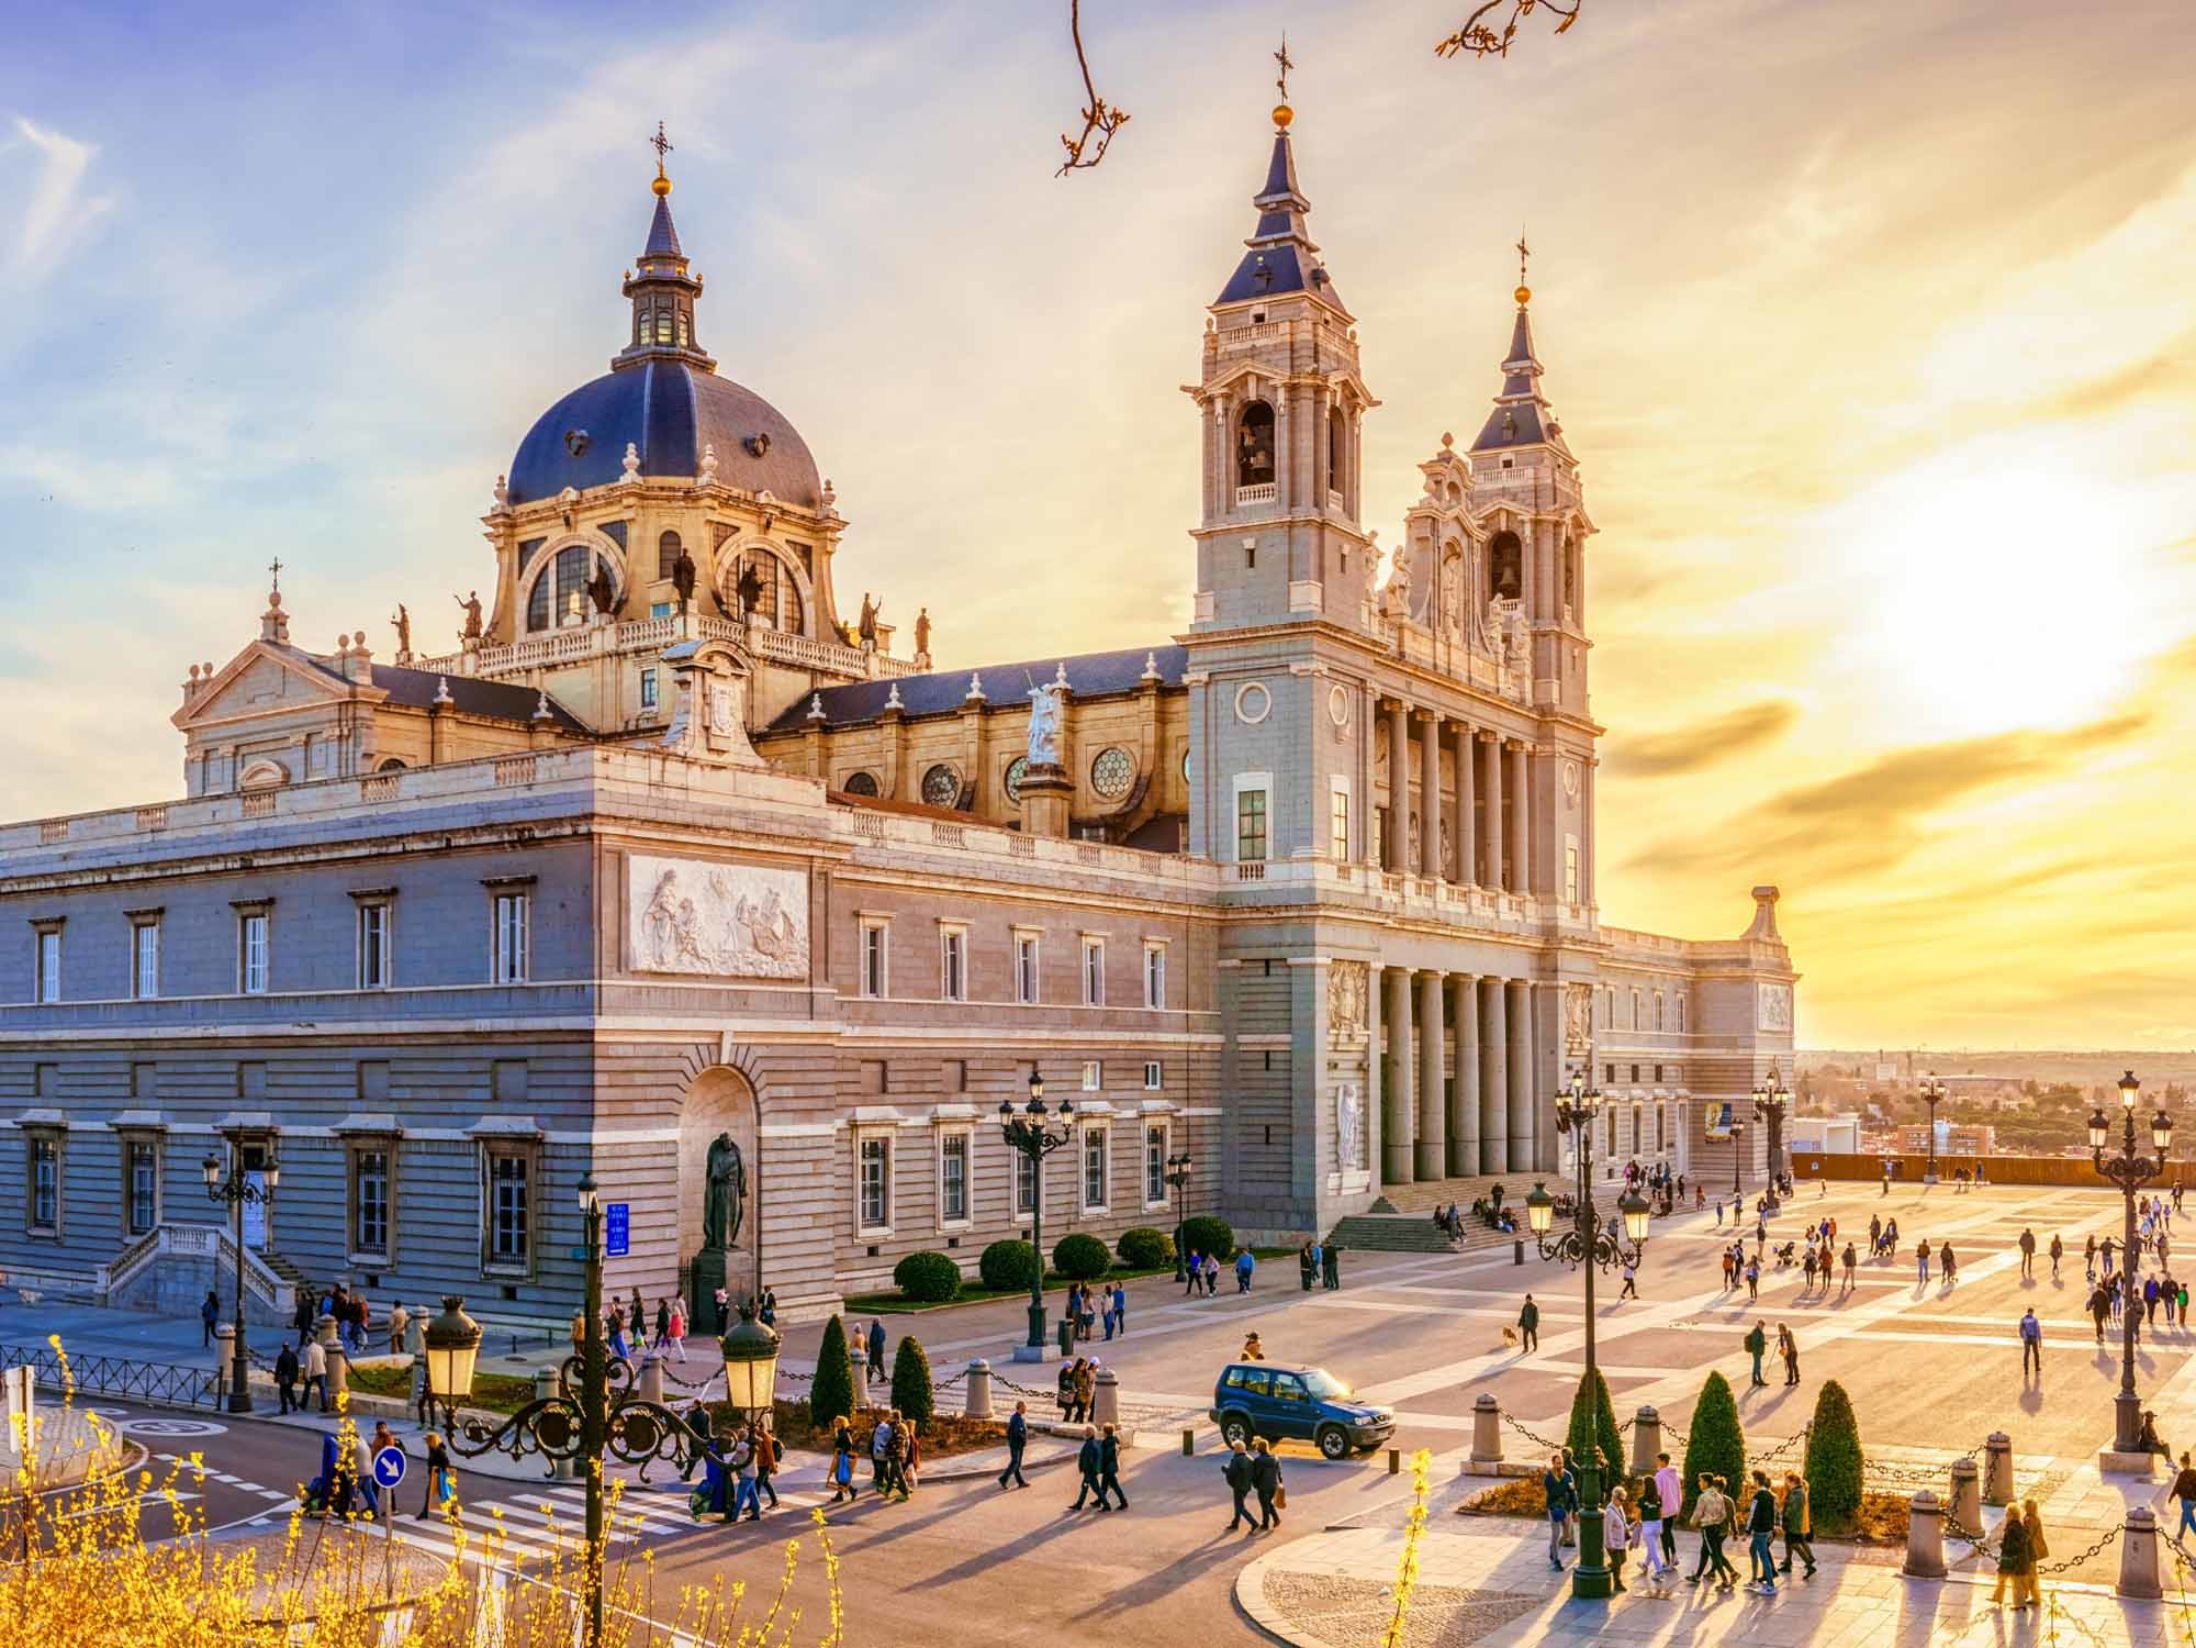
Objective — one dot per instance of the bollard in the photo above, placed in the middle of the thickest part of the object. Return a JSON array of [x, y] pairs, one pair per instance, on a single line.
[[545, 1387], [418, 1385], [225, 1359], [1517, 1251], [1964, 1512], [1924, 1537], [1486, 1430], [1189, 1442], [651, 1378], [1395, 1461], [2139, 1555], [976, 1397], [339, 1374], [1998, 1469], [1067, 1337], [1105, 1399], [415, 1331], [1646, 1440], [326, 1333]]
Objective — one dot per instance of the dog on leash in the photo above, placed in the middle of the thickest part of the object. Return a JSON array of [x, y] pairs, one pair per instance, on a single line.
[[1509, 1338]]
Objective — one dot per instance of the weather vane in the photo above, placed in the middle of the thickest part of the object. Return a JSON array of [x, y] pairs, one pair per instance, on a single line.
[[1282, 57]]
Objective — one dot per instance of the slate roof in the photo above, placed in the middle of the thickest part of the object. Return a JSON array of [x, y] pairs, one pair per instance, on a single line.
[[663, 236], [1280, 255], [492, 700], [1521, 415], [1090, 675]]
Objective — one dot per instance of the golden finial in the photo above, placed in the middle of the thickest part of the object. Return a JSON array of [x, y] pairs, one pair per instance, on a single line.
[[662, 145], [1282, 113], [1524, 293]]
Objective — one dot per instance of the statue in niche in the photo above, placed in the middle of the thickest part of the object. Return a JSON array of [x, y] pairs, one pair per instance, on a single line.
[[749, 590], [1349, 1127], [601, 590], [1346, 985], [724, 1200]]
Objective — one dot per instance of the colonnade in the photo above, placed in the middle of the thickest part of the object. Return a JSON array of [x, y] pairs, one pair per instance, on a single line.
[[1478, 1030], [1488, 844]]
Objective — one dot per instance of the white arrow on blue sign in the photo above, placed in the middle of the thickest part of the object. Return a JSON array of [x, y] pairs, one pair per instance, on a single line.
[[389, 1467]]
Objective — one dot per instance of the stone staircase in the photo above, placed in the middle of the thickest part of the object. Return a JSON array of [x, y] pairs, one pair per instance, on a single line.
[[1401, 1220]]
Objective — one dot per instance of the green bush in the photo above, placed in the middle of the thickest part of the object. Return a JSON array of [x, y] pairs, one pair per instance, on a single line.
[[1714, 1443], [1144, 1248], [1081, 1257], [927, 1278], [1206, 1233], [1596, 1423], [912, 1393], [831, 1396], [1008, 1265], [1834, 1461]]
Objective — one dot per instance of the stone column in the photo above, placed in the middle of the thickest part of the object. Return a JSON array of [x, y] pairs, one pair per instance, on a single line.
[[1490, 787], [1521, 821], [1431, 861], [1399, 789], [1518, 1095], [1467, 848], [1431, 1156], [1396, 1093], [1494, 1077], [1376, 1087], [1586, 831], [1464, 1090]]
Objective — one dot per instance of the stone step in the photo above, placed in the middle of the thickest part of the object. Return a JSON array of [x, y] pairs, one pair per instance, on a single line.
[[1391, 1233]]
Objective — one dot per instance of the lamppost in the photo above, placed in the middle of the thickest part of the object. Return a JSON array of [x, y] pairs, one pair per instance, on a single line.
[[1026, 1132], [2130, 1172], [236, 1189], [1178, 1175], [597, 1413], [1738, 1155], [1590, 1242], [1771, 1099], [1932, 1094]]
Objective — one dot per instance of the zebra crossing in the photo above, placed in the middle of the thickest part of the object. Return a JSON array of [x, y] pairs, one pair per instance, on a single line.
[[205, 1473]]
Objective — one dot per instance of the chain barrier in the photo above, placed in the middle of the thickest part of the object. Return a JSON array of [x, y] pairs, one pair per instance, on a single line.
[[2081, 1557], [1532, 1435]]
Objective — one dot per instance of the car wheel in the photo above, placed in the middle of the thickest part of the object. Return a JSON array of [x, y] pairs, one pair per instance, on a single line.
[[1235, 1428], [1334, 1442]]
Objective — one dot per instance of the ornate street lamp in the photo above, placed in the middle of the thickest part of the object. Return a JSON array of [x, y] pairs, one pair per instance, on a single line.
[[1593, 1243], [1771, 1100], [1932, 1094], [596, 1413], [1178, 1175], [1738, 1156], [1026, 1133], [235, 1188], [2130, 1172]]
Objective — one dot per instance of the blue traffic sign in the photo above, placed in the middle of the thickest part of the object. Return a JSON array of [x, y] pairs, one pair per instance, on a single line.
[[389, 1466], [617, 1230]]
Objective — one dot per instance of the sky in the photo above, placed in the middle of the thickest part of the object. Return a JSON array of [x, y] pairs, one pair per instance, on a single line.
[[1871, 324]]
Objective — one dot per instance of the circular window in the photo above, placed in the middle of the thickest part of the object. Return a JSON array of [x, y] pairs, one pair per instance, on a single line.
[[1338, 705], [1017, 770], [1252, 703], [860, 783], [1113, 772], [942, 785], [1570, 778]]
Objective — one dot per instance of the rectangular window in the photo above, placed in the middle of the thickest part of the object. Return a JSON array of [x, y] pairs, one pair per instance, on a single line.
[[1338, 824], [661, 609], [1094, 972], [370, 1202], [953, 1177], [648, 689], [373, 946], [511, 920], [145, 960], [1094, 1169], [1571, 879], [875, 1161], [1025, 969], [953, 963], [1155, 1166], [509, 1210], [251, 952], [1250, 826], [1155, 975], [1154, 1076], [45, 1183], [876, 960], [141, 1184], [47, 965], [1094, 1075], [1025, 1183]]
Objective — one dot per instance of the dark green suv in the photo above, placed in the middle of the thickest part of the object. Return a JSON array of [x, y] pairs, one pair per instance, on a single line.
[[1307, 1404]]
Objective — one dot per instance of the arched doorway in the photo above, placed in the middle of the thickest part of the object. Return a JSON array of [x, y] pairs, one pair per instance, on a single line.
[[720, 1101]]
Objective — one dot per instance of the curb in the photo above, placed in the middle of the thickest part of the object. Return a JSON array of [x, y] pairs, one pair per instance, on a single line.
[[1250, 1597]]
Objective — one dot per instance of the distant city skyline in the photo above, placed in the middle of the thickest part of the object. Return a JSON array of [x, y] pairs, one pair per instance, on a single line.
[[1881, 379]]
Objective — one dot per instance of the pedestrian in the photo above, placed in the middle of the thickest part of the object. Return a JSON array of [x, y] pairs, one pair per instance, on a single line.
[[1212, 1275], [1555, 1487], [316, 1371], [1849, 1257], [1753, 1278], [663, 1323], [1651, 1529], [1617, 1534], [766, 1308], [286, 1371], [1788, 1348], [1244, 1264], [1086, 1387], [1192, 1272], [2089, 1257], [2027, 1245], [1273, 1493], [741, 1460], [441, 1487], [1121, 1309], [1064, 1390], [1630, 1289], [1528, 1325], [1875, 1235], [1672, 1496], [209, 1313], [618, 1346], [1235, 1471], [1719, 1212], [880, 1449], [677, 1331], [1757, 1346], [1730, 1268], [1947, 1264], [2013, 1561], [1017, 1441], [876, 1348], [1330, 1267], [1921, 1260], [900, 1457], [1799, 1526], [2100, 1308], [1306, 1265], [1761, 1528], [769, 1455], [1712, 1516], [1086, 1465], [2031, 1344], [370, 1485], [1253, 1350], [2150, 1301], [2038, 1549], [842, 1458], [399, 1320], [1570, 1517], [1109, 1469]]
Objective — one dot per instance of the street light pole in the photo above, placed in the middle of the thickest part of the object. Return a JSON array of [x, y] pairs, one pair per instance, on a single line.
[[2130, 1172], [235, 1190], [1594, 1244], [1771, 1100], [1026, 1133], [594, 1399], [1738, 1130], [1932, 1094], [1178, 1175]]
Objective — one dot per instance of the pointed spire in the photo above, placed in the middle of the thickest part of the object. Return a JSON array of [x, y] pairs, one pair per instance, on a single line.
[[1521, 415], [661, 287], [1281, 255]]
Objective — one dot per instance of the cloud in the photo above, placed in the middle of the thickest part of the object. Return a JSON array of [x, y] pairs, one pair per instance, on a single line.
[[1701, 743], [49, 213]]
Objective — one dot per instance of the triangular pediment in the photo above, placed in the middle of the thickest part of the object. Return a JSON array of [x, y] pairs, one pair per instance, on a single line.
[[267, 679]]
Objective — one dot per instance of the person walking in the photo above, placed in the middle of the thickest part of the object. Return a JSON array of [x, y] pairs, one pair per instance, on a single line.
[[842, 1459], [441, 1486], [2150, 1301], [769, 1455], [2027, 1246], [1672, 1495], [677, 1328], [1651, 1529], [1849, 1256], [1949, 1266], [1086, 1466], [1788, 1348], [1528, 1325], [876, 1348], [1555, 1487], [286, 1379], [316, 1371], [741, 1461], [880, 1453], [2038, 1549], [2031, 1344], [1192, 1273], [1212, 1276], [1306, 1266], [1330, 1267], [1799, 1526], [1244, 1264], [1630, 1289], [1617, 1534], [2100, 1308], [1757, 1346], [1266, 1480], [2089, 1257], [209, 1314], [399, 1320], [1235, 1471], [1086, 1388], [901, 1457], [1017, 1441], [1120, 1309], [1712, 1516], [1109, 1469], [1921, 1260], [1761, 1528], [1753, 1278], [2013, 1561], [2184, 1489]]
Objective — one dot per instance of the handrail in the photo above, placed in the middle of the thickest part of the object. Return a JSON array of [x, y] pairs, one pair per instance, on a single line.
[[116, 1376], [197, 1242]]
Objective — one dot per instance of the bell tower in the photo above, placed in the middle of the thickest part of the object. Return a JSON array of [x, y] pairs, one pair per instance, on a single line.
[[1280, 405]]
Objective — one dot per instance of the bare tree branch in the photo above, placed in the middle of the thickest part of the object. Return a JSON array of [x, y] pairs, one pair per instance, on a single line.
[[1100, 118], [1481, 38]]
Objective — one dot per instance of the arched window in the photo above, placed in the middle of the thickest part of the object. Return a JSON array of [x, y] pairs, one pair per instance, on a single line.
[[1658, 1011], [663, 325], [860, 783], [1505, 567], [1254, 445], [667, 554], [1570, 576], [1337, 448], [685, 325], [391, 765], [777, 594], [550, 600], [1681, 1015]]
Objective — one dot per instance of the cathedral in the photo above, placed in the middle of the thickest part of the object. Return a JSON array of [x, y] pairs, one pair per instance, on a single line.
[[681, 869]]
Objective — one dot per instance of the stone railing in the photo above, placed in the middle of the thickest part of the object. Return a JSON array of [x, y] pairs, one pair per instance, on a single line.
[[1264, 493], [570, 645], [1418, 897], [974, 839], [182, 1241]]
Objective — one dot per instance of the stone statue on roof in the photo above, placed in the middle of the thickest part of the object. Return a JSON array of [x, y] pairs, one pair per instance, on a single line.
[[867, 628], [922, 633], [471, 603], [1044, 724], [403, 622], [682, 579]]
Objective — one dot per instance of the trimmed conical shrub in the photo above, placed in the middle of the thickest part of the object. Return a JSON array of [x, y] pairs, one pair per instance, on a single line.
[[1594, 1419], [1834, 1461], [831, 1396], [912, 1392], [1714, 1443]]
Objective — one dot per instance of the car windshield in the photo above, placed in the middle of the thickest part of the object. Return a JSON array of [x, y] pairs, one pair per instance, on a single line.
[[1324, 1384]]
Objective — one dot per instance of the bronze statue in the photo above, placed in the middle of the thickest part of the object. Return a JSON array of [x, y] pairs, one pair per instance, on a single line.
[[601, 591], [922, 632], [750, 588], [682, 579], [403, 622], [724, 1201], [471, 604], [868, 626]]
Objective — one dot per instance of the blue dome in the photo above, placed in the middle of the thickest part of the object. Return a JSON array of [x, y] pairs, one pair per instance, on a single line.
[[669, 411]]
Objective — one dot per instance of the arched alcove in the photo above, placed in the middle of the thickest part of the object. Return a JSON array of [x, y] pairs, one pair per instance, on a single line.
[[720, 1100]]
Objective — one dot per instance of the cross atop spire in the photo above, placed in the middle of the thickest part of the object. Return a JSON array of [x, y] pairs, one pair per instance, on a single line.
[[663, 146], [1524, 253], [274, 571], [1282, 57]]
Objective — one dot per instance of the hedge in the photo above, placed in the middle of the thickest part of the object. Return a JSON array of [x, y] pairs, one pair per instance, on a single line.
[[1144, 1248], [1714, 1443], [1081, 1257], [1206, 1233], [831, 1396], [1596, 1423], [1008, 1265], [912, 1392], [927, 1278], [1834, 1461]]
